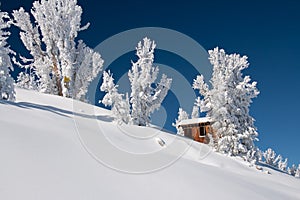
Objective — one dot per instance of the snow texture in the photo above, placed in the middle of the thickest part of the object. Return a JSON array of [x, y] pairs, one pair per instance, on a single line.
[[42, 157]]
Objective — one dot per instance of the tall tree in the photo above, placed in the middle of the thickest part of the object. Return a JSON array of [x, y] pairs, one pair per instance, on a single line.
[[146, 95], [228, 102], [7, 90], [62, 66]]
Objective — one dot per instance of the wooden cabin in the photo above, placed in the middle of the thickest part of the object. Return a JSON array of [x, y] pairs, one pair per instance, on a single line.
[[197, 129]]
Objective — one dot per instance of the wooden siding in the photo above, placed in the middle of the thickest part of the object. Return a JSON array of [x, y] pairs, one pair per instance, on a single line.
[[198, 131]]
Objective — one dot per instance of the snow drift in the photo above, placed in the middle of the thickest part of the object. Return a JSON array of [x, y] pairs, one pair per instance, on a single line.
[[50, 150]]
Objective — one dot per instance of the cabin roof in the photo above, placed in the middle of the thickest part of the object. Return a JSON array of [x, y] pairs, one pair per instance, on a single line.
[[194, 121]]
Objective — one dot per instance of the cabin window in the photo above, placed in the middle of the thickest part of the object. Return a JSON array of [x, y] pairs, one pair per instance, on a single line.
[[202, 131]]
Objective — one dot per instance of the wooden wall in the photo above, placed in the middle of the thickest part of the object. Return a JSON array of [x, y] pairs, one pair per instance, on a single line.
[[195, 132]]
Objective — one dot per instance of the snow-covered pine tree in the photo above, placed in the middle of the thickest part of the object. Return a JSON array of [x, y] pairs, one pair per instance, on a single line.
[[61, 65], [228, 102], [144, 97], [271, 158], [120, 107], [182, 115], [7, 90]]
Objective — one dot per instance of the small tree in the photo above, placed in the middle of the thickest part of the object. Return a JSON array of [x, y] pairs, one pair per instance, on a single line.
[[292, 170], [7, 90], [271, 158], [62, 66], [297, 174], [228, 102], [254, 156], [195, 112], [182, 115], [120, 107], [146, 96], [282, 164], [26, 80]]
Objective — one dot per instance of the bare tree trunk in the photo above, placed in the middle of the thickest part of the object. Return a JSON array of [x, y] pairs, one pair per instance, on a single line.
[[57, 76]]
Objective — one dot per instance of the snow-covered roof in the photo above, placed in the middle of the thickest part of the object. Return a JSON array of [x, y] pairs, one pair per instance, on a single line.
[[195, 121]]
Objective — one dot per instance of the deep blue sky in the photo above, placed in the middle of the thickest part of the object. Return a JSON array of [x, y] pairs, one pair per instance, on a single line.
[[268, 32]]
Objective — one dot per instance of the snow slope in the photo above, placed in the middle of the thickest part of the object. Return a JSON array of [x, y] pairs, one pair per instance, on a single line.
[[54, 148]]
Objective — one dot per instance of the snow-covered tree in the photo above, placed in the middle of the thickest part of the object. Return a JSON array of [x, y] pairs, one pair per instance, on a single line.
[[62, 66], [282, 164], [271, 158], [254, 156], [297, 174], [228, 102], [195, 112], [7, 90], [182, 115], [26, 80], [145, 98], [146, 95], [120, 107], [292, 170]]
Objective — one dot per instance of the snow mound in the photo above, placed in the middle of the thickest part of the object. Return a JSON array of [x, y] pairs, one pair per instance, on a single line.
[[53, 148]]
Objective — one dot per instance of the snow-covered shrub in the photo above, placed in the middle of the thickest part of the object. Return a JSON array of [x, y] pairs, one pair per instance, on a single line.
[[144, 98], [62, 65], [182, 115], [228, 102]]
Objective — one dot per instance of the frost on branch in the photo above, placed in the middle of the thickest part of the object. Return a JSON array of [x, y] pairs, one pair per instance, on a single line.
[[7, 89], [61, 65]]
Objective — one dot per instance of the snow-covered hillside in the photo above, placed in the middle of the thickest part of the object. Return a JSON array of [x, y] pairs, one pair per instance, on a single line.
[[48, 152]]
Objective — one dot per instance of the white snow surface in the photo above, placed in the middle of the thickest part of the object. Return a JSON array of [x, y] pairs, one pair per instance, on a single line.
[[43, 156]]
